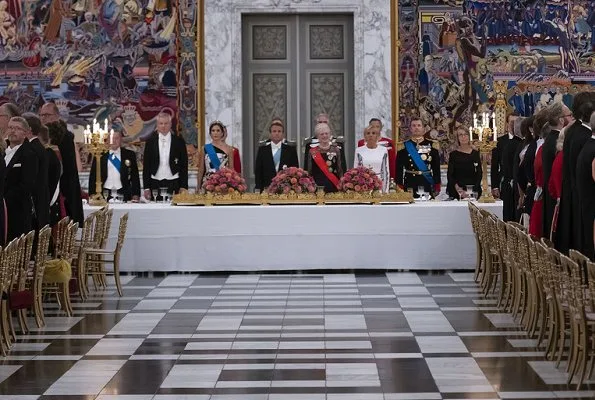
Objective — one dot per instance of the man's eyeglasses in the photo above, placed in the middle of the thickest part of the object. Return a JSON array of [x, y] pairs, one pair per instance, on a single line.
[[47, 115]]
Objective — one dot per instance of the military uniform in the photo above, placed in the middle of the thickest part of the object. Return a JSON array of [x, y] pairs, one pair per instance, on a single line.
[[408, 174]]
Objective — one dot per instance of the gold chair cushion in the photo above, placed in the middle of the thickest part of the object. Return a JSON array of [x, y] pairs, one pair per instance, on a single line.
[[57, 271]]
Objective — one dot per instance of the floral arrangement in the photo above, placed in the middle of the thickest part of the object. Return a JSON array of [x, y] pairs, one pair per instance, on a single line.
[[360, 180], [292, 179], [225, 181]]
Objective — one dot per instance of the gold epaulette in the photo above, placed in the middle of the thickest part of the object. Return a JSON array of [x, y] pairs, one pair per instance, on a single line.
[[399, 146], [435, 144], [264, 142], [290, 143], [307, 140], [339, 139]]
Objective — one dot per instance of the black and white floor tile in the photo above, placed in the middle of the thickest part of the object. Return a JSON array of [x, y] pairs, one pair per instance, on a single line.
[[380, 336]]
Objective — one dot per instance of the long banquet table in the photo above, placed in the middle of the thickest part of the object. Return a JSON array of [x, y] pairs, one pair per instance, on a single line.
[[430, 235]]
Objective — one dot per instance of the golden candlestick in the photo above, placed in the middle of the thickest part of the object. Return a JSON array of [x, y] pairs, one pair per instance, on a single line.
[[97, 143], [485, 141]]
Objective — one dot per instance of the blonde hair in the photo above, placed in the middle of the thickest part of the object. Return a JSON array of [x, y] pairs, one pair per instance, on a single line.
[[560, 141]]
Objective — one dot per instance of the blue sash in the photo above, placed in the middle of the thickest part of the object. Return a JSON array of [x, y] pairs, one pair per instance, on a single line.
[[277, 158], [115, 161], [210, 150], [419, 163]]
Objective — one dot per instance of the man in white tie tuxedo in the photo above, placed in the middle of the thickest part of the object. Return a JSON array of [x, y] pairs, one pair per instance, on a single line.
[[21, 170], [165, 159], [273, 155], [119, 171]]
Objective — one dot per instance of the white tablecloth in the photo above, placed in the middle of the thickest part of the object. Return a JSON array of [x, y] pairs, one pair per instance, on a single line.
[[431, 235]]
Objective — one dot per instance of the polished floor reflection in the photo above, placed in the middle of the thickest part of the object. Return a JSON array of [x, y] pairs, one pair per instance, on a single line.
[[284, 337]]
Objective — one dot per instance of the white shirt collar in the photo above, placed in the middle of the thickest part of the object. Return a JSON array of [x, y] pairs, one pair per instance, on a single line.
[[13, 150], [586, 125], [33, 138], [117, 152], [166, 137], [276, 146]]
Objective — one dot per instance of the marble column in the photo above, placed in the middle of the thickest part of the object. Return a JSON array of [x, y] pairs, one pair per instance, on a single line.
[[223, 59]]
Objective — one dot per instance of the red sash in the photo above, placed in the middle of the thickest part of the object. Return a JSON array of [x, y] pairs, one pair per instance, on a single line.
[[317, 157]]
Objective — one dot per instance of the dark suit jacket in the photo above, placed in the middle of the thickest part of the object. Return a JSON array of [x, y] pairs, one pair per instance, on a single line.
[[54, 174], [128, 174], [70, 185], [178, 159], [18, 190], [548, 154], [264, 166], [41, 193], [2, 216]]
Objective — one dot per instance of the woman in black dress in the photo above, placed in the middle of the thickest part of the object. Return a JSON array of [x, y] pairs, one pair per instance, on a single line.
[[324, 161], [525, 172], [464, 168]]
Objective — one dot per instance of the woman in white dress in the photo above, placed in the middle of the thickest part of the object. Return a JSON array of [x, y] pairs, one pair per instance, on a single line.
[[373, 156]]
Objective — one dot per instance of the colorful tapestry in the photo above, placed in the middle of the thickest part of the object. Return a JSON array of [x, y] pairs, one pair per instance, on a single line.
[[116, 59], [542, 51]]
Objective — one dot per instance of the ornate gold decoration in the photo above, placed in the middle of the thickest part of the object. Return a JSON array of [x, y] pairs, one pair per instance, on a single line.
[[210, 199], [395, 44], [97, 144], [485, 143]]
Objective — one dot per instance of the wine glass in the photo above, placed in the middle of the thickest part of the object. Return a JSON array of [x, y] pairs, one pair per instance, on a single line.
[[469, 189], [114, 194], [119, 198], [421, 191], [162, 192], [106, 194], [154, 192]]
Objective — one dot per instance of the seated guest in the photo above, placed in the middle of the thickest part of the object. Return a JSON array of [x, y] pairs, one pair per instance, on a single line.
[[273, 155], [215, 155], [374, 156], [464, 168], [21, 170], [119, 170], [165, 159], [386, 142], [324, 161], [585, 183], [57, 206], [418, 164]]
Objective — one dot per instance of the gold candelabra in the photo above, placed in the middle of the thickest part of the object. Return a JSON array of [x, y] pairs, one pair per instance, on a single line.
[[485, 139], [96, 140]]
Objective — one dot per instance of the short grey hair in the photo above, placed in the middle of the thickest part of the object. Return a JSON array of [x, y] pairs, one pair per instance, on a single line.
[[319, 127], [21, 121], [164, 115]]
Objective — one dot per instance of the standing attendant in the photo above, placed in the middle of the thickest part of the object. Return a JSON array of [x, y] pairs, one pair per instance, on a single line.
[[324, 162], [418, 164], [464, 168], [41, 193], [273, 155], [585, 183], [19, 184], [502, 176], [165, 159], [119, 170]]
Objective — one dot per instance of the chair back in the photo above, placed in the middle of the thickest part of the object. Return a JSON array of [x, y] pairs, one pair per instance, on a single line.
[[121, 233], [582, 261], [41, 253]]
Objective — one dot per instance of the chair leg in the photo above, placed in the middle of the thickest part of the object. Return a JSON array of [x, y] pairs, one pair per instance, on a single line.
[[117, 275], [65, 294], [23, 320]]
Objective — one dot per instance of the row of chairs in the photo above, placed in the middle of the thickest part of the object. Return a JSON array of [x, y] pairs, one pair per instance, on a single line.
[[63, 260], [551, 295]]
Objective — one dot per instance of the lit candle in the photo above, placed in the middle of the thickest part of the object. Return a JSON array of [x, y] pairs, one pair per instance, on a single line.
[[111, 137], [470, 133], [474, 119], [481, 135], [105, 123], [495, 134]]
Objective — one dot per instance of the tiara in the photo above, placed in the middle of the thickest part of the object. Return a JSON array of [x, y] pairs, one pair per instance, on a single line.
[[217, 122]]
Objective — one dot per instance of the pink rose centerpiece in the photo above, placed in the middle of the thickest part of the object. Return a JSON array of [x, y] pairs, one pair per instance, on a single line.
[[225, 181], [292, 179], [360, 180]]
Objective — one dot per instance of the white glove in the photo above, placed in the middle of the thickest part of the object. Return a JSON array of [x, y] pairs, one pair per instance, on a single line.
[[538, 194]]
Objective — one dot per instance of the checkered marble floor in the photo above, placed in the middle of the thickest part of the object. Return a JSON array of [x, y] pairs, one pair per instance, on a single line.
[[382, 336]]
